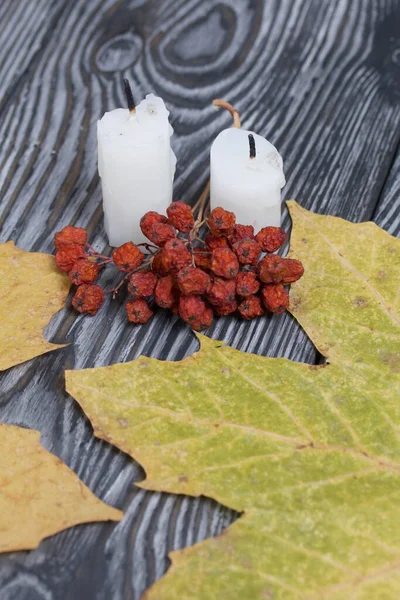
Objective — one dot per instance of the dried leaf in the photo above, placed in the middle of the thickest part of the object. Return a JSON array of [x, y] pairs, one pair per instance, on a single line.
[[310, 454], [40, 495], [32, 291]]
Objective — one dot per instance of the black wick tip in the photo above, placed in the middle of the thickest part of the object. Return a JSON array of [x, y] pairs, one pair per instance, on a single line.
[[129, 95], [252, 145]]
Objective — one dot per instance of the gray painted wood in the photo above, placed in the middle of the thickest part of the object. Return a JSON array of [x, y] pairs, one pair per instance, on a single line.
[[320, 79], [387, 209]]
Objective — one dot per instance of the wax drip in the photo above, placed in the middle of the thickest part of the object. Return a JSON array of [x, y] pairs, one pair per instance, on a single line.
[[252, 145], [129, 96]]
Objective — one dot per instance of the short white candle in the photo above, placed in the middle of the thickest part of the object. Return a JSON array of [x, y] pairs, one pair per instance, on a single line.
[[136, 166], [248, 186]]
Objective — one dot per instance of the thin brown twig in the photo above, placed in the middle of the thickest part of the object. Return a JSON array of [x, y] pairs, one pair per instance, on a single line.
[[91, 248], [148, 246], [202, 198], [203, 202], [235, 114], [105, 262], [105, 259], [144, 265], [201, 205], [96, 254]]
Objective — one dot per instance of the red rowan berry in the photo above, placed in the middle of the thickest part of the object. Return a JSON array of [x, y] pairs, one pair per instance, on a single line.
[[247, 283], [247, 251], [176, 255], [274, 269], [221, 221], [66, 256], [88, 299], [138, 311], [293, 270], [83, 271], [226, 309], [275, 298], [192, 280], [271, 238], [194, 310], [142, 284], [181, 216], [159, 233], [202, 259], [250, 308], [221, 291], [157, 264], [165, 294], [127, 257], [213, 242], [270, 269], [240, 232], [70, 235], [224, 263], [149, 219]]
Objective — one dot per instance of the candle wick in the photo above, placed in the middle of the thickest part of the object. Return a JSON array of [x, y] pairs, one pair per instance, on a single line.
[[129, 96], [252, 145]]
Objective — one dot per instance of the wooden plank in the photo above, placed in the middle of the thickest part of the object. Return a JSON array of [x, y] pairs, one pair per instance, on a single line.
[[24, 28], [387, 211], [317, 78]]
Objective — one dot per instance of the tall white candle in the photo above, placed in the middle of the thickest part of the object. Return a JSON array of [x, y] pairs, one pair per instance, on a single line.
[[249, 186], [136, 166]]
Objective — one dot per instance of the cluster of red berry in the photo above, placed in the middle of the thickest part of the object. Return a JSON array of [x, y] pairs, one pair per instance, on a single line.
[[195, 278]]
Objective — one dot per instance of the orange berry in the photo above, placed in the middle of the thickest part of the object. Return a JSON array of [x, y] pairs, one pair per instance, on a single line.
[[127, 257], [224, 263], [83, 271], [138, 311], [70, 235], [67, 255], [88, 299], [181, 216]]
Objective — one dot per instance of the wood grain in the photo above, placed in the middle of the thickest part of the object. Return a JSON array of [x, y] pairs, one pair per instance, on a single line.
[[320, 79], [387, 209]]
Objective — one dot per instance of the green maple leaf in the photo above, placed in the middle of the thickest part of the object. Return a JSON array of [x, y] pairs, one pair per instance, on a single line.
[[309, 454]]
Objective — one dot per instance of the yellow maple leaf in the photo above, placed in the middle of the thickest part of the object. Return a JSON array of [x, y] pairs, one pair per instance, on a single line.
[[39, 494], [32, 291], [309, 454]]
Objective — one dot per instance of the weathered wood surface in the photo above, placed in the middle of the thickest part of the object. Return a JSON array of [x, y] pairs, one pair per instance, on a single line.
[[320, 79]]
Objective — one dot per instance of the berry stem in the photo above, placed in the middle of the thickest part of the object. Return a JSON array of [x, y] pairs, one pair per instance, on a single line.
[[203, 197], [105, 258], [145, 265], [204, 205], [105, 262], [114, 290], [149, 247], [91, 248], [96, 254]]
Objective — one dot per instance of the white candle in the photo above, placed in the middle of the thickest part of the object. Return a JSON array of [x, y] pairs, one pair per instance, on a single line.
[[136, 166], [249, 186]]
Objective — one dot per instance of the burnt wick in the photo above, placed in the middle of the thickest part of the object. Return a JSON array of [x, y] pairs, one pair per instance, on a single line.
[[129, 96], [252, 146]]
